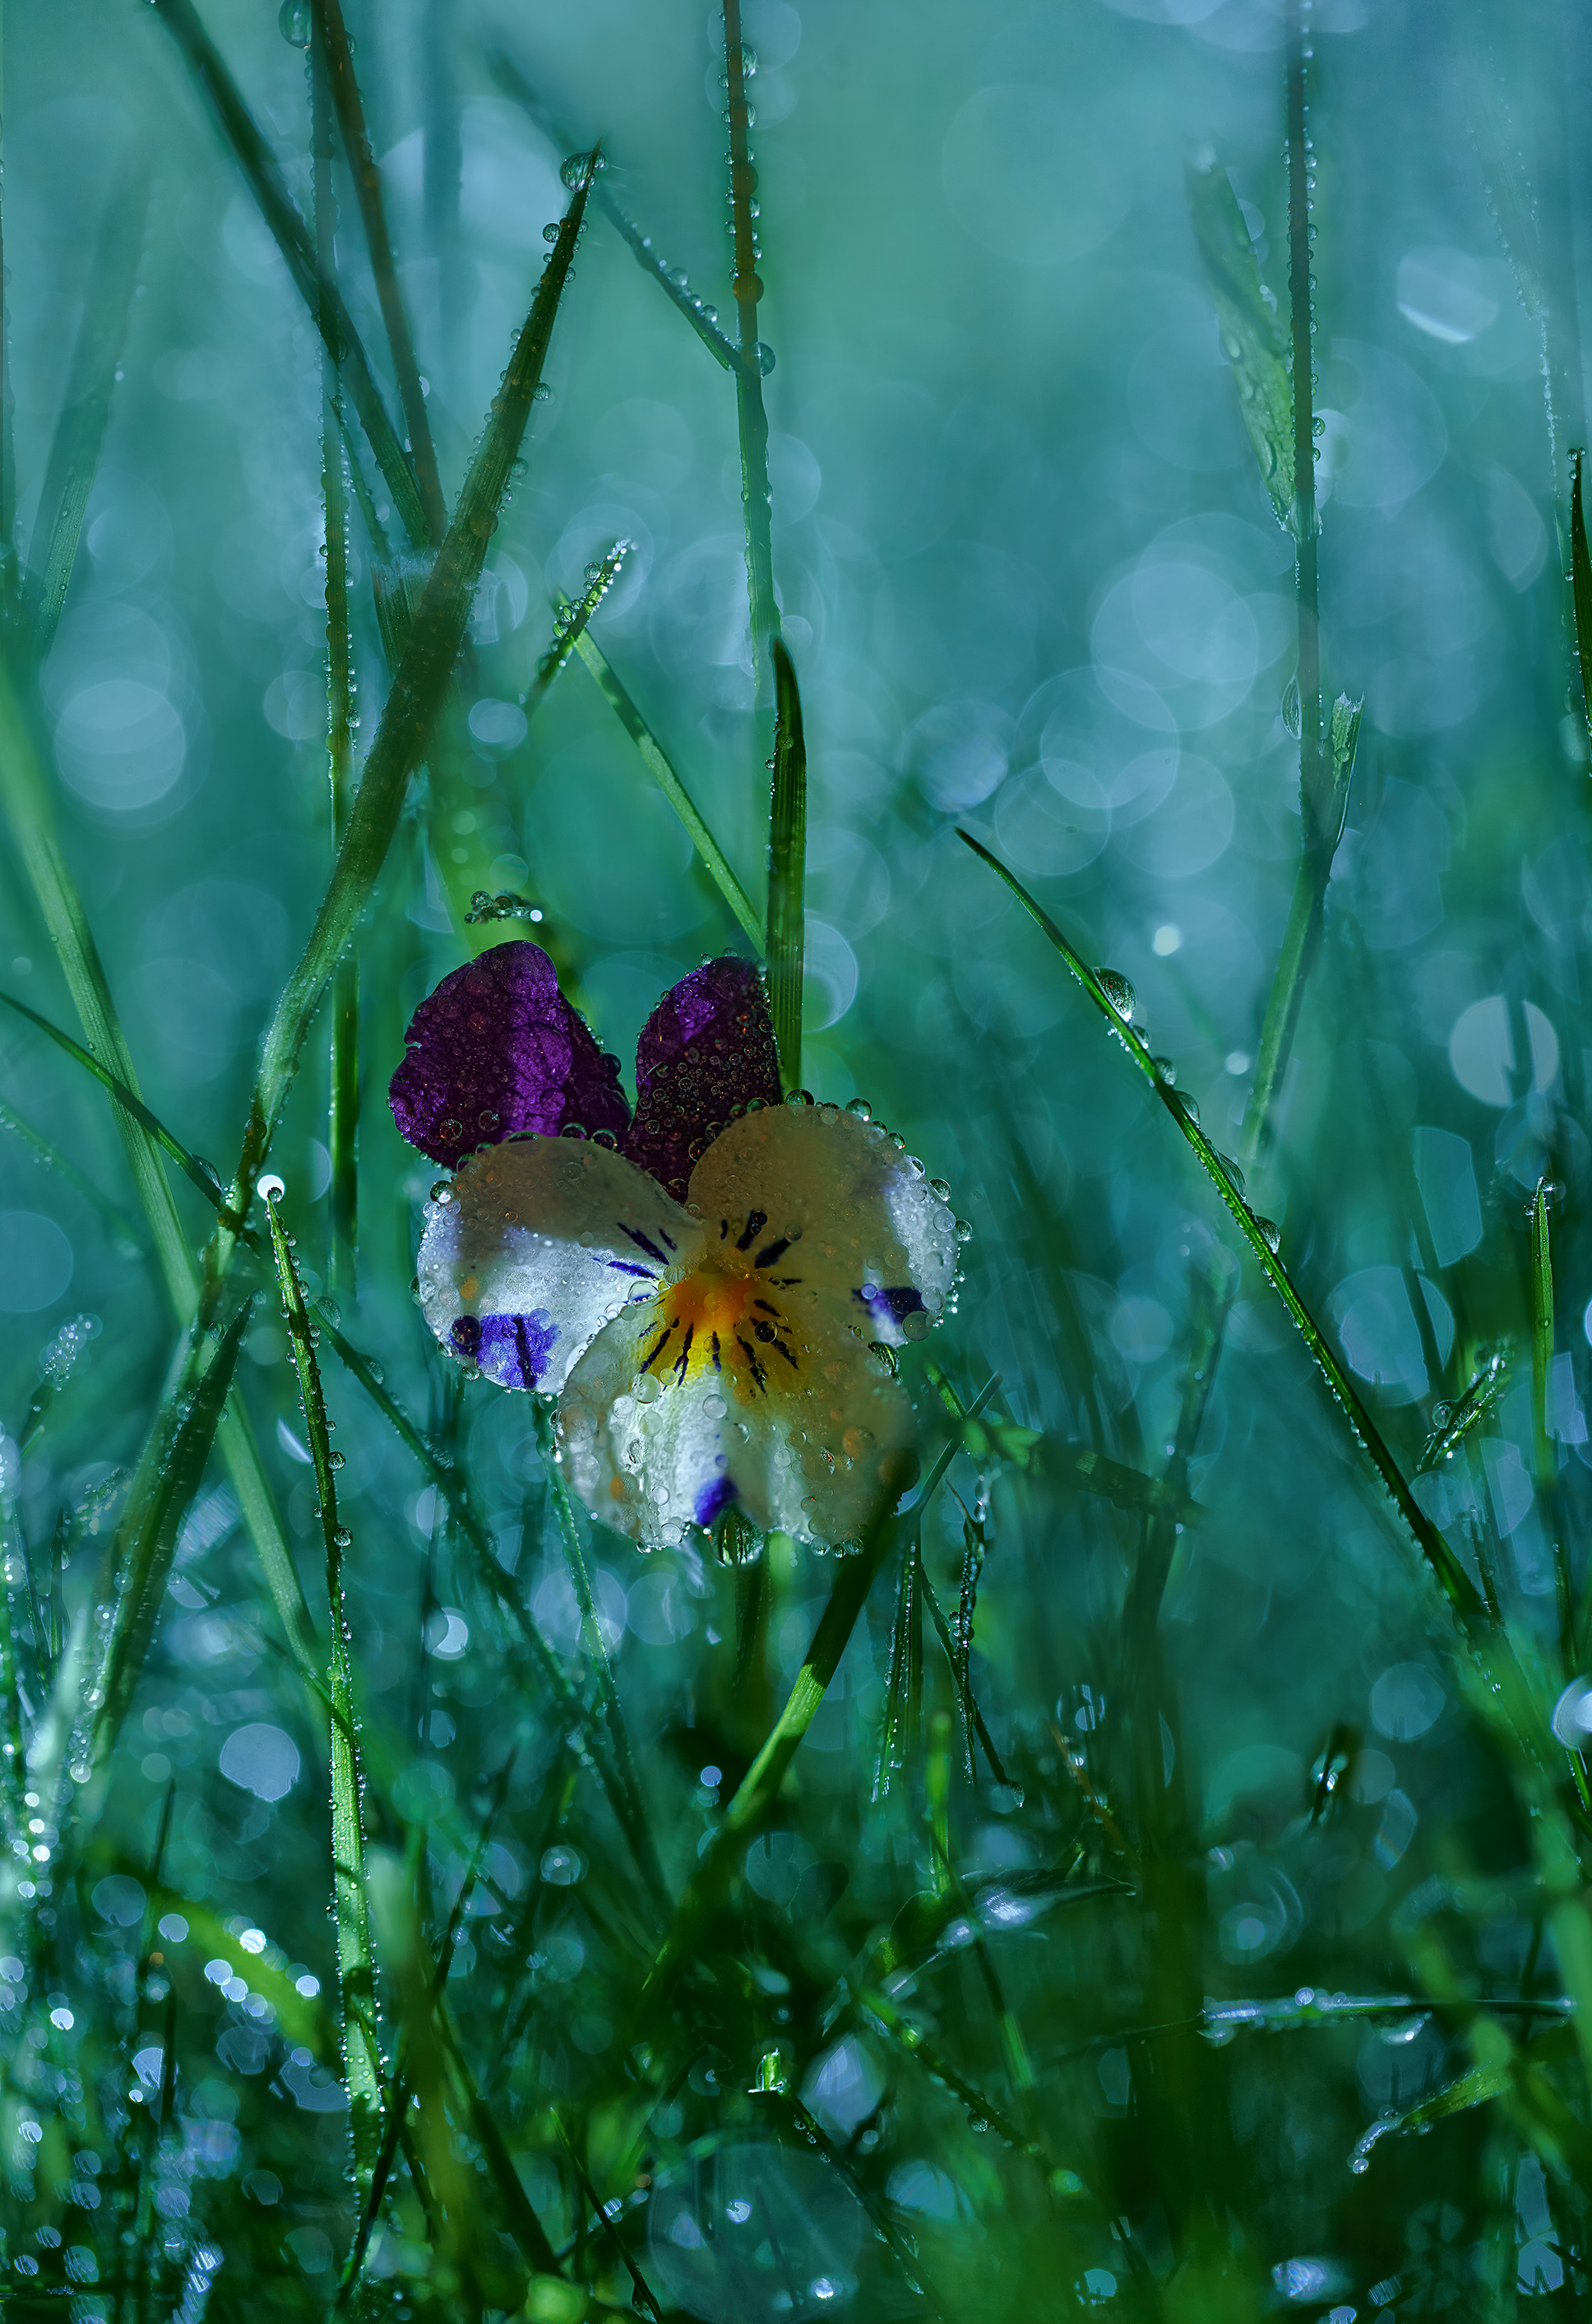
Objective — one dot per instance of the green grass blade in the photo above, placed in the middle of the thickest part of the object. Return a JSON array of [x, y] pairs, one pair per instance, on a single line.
[[1581, 579], [449, 1482], [715, 861], [1251, 339], [74, 451], [25, 798], [241, 132], [1455, 1583], [570, 621], [332, 40], [1451, 1423], [759, 1787], [130, 1241], [515, 86], [411, 708], [330, 58], [958, 1643], [751, 417], [788, 865], [124, 1097], [638, 1830], [356, 1977], [903, 1699], [141, 1553]]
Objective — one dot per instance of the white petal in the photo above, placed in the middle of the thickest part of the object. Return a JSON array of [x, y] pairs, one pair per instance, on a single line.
[[866, 1233], [805, 1430], [541, 1241]]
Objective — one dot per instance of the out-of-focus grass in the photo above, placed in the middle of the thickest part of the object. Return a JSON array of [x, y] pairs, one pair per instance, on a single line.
[[1150, 1874]]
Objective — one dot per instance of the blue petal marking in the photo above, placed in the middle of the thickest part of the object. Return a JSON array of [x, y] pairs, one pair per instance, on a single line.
[[643, 1243], [756, 1223], [889, 1304], [714, 1498], [628, 1266], [771, 1252], [513, 1350]]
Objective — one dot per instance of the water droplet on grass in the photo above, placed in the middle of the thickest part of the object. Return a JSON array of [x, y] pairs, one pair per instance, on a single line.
[[1117, 991]]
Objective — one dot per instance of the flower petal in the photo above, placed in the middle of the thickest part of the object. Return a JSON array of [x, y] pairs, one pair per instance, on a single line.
[[706, 1050], [804, 1427], [496, 1050], [822, 1199], [534, 1246]]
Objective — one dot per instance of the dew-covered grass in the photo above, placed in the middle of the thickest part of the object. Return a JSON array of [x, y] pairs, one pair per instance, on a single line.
[[1058, 533]]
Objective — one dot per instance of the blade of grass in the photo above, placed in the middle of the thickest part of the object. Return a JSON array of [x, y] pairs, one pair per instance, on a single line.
[[74, 451], [638, 1830], [332, 38], [1326, 747], [751, 419], [760, 1786], [1248, 319], [1303, 936], [788, 862], [139, 1560], [1454, 1582], [26, 796], [1451, 1423], [570, 620], [1546, 1460], [343, 1110], [408, 716], [130, 1244], [715, 861], [356, 1977], [1580, 574], [515, 86], [122, 1096], [904, 1685], [241, 132], [450, 1483]]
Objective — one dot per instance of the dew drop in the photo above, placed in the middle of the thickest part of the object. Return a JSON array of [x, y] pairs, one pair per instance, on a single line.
[[1270, 1233], [1117, 991], [270, 1188], [293, 23], [860, 1108], [941, 1186]]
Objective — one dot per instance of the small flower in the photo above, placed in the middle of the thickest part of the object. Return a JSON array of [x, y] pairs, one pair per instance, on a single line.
[[705, 1287]]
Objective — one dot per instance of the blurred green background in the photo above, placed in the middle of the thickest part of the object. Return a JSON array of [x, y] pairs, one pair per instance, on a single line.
[[1032, 586]]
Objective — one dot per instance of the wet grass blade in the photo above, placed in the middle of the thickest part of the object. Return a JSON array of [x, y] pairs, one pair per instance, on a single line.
[[1546, 1456], [1251, 338], [330, 57], [411, 708], [904, 1685], [760, 1786], [1455, 1583], [122, 1096], [751, 419], [637, 1828], [26, 800], [145, 1542], [1581, 579], [571, 620], [450, 1484], [787, 861], [515, 86], [356, 1978], [332, 38], [292, 237], [716, 862], [74, 452], [129, 1239]]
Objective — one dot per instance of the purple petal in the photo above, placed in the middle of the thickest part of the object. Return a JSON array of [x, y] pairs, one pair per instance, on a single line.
[[512, 1350], [495, 1050], [713, 1499], [706, 1050]]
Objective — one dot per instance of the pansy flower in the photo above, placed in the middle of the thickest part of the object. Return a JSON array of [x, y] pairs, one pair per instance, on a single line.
[[705, 1287]]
